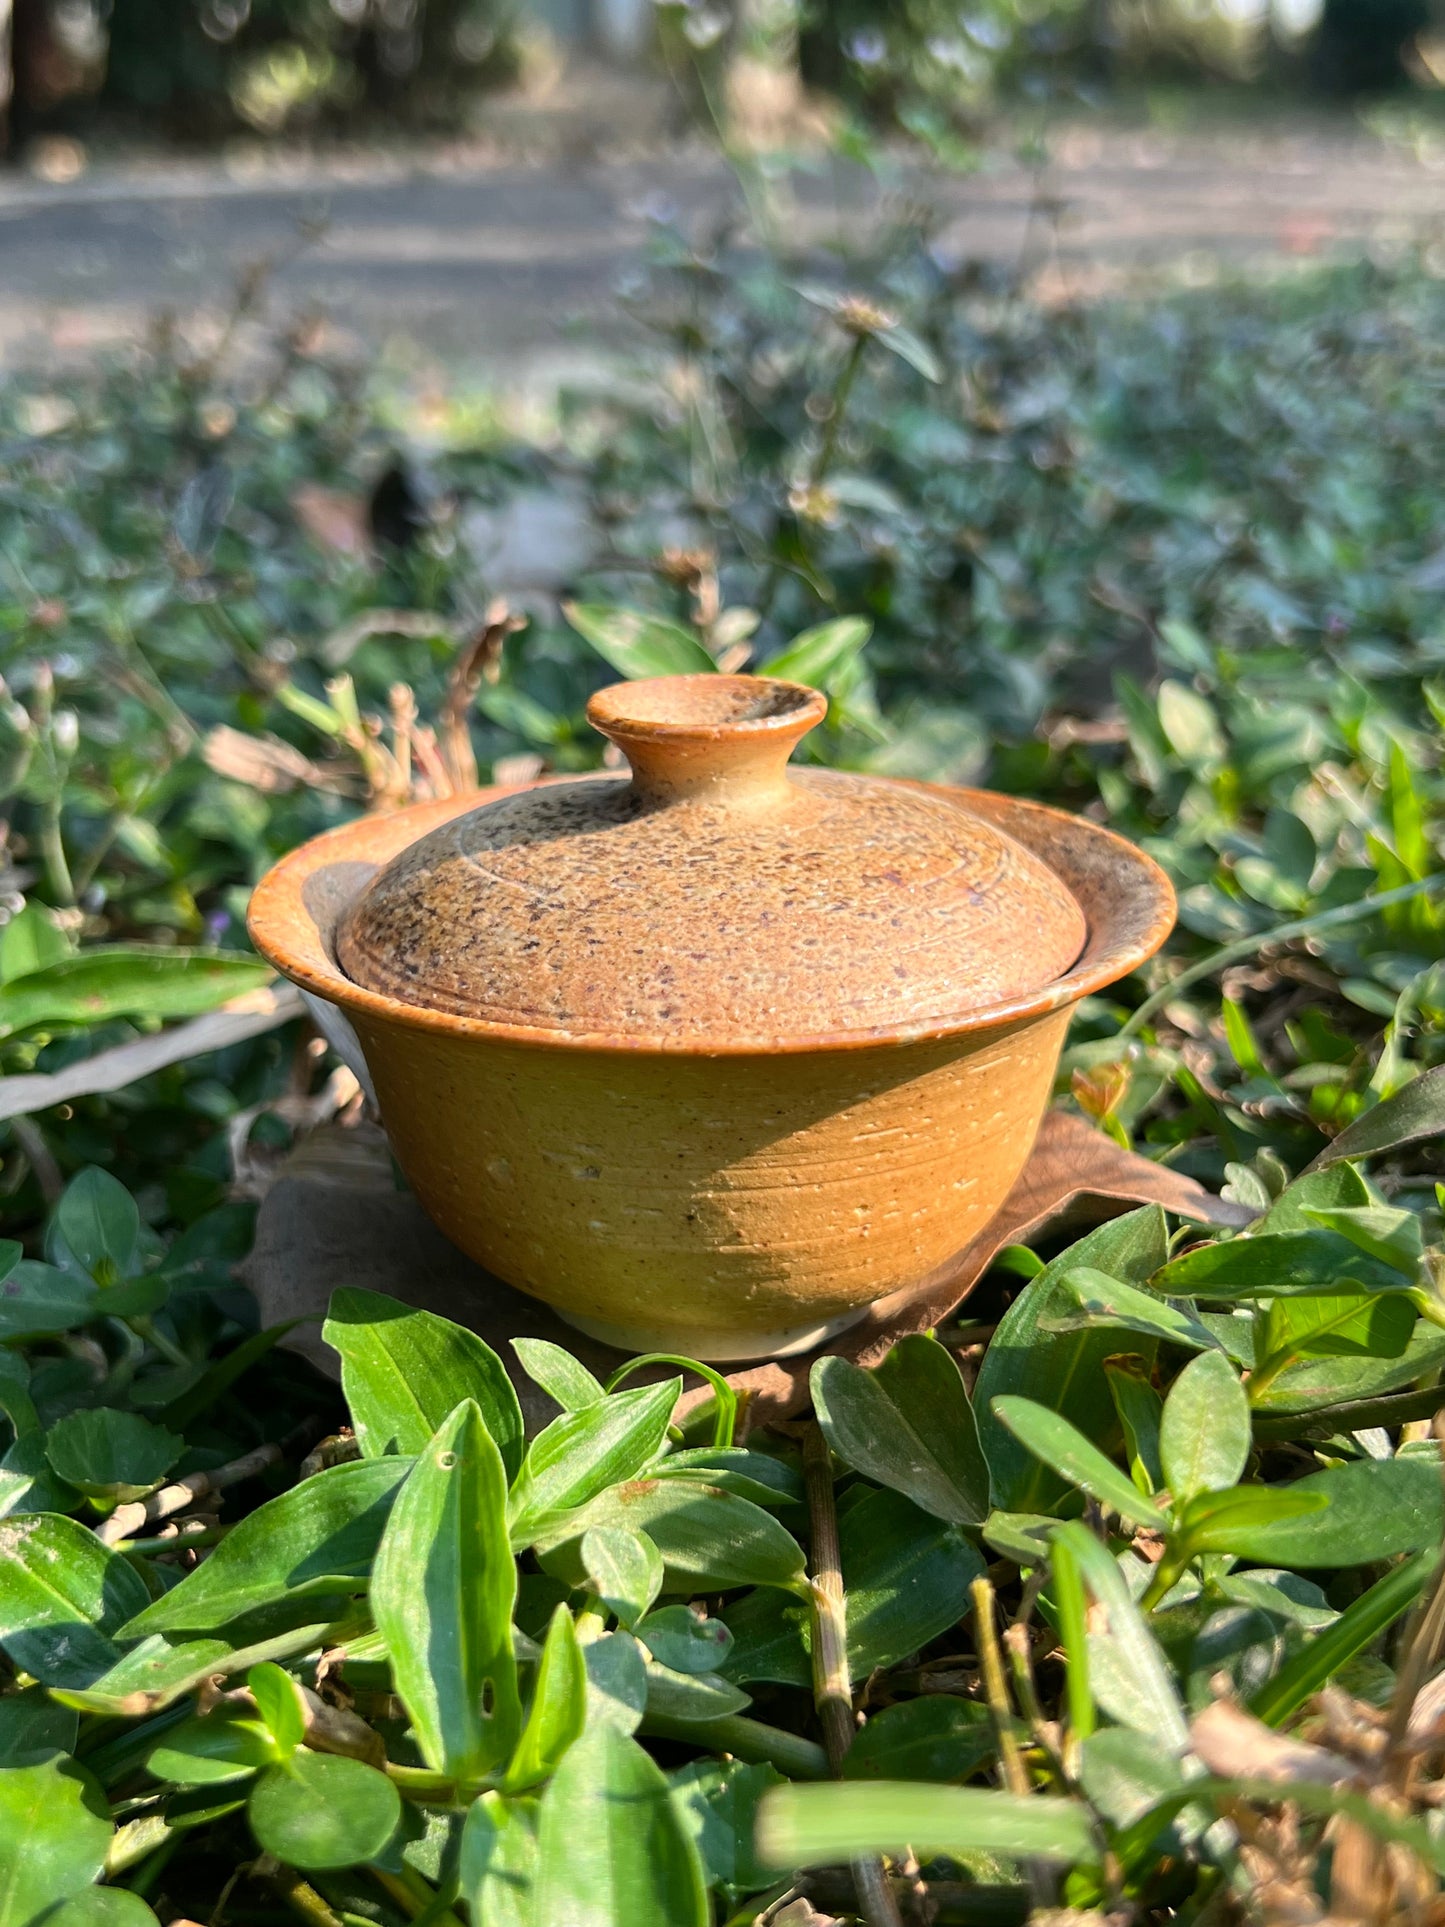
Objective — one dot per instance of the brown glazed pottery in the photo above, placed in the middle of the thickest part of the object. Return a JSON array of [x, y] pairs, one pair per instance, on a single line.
[[713, 1057]]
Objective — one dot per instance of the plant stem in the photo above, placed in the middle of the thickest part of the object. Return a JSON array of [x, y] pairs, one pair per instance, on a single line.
[[1243, 947], [422, 1783], [746, 1739], [995, 1692], [1167, 1574], [828, 447], [302, 1899], [52, 855], [832, 1683]]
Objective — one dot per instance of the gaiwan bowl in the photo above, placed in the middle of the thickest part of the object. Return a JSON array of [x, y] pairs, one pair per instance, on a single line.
[[712, 1057]]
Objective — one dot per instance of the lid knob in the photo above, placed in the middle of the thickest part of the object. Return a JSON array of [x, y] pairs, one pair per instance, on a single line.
[[720, 738]]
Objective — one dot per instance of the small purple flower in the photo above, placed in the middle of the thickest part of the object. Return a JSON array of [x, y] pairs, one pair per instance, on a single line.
[[218, 922]]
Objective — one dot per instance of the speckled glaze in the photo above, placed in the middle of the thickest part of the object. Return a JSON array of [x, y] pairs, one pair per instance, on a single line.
[[715, 896], [749, 1173]]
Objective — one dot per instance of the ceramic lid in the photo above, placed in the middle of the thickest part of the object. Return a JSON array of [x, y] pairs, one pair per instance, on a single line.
[[715, 894]]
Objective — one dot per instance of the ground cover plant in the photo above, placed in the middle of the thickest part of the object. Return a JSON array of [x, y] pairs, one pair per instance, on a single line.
[[1146, 1622]]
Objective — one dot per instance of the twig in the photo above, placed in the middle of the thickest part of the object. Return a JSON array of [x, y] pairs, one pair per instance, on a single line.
[[39, 1157], [303, 1900], [126, 1521], [1422, 1647], [251, 1015], [832, 1684], [995, 1690], [479, 658]]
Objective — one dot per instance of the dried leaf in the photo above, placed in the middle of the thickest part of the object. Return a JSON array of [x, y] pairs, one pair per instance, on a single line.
[[334, 519], [1235, 1745], [332, 1218]]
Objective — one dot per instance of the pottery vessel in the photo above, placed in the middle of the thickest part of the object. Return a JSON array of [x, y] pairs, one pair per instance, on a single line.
[[713, 1057]]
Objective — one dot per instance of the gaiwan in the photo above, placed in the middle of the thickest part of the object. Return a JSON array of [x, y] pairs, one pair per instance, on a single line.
[[713, 1056]]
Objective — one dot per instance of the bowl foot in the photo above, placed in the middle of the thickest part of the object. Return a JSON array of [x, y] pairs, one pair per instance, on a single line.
[[721, 1347]]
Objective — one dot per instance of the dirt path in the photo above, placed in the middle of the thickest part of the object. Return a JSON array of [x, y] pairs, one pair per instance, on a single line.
[[488, 265]]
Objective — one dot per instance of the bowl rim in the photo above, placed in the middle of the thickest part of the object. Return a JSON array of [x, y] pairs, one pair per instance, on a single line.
[[287, 931]]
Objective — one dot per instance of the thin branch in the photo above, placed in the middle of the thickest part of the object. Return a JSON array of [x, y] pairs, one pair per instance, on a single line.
[[127, 1520], [832, 1684]]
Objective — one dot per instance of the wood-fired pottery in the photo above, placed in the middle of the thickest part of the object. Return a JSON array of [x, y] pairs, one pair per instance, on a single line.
[[712, 1058]]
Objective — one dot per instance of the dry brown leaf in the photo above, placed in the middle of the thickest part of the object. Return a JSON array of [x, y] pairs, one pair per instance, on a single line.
[[331, 1215], [334, 519], [264, 763], [1235, 1745]]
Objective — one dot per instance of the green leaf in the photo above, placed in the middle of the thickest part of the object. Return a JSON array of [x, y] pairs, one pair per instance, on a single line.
[[770, 1633], [696, 1697], [1204, 1434], [686, 1641], [212, 1751], [1128, 1673], [1222, 1521], [584, 1452], [565, 1379], [1308, 1390], [1066, 1451], [907, 346], [318, 1538], [102, 1907], [1416, 1112], [758, 1476], [320, 1811], [31, 1724], [624, 1569], [63, 1598], [403, 1371], [1063, 1370], [126, 980], [499, 1861], [1285, 1595], [612, 1849], [37, 1299], [908, 1425], [1357, 1628], [719, 1805], [1377, 1509], [156, 1673], [1190, 725], [907, 1578], [817, 654], [1393, 1236], [1106, 1301], [278, 1701], [1124, 1774], [616, 1682], [98, 1219], [936, 1737], [442, 1593], [1372, 1324], [709, 1539], [111, 1455], [558, 1710], [1141, 1412], [1275, 1264], [29, 942], [820, 1826], [636, 644], [54, 1831]]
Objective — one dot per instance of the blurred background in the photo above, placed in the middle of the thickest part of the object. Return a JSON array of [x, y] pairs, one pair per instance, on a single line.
[[379, 377]]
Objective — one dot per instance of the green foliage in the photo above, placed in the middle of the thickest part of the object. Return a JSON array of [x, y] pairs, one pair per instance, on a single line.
[[1075, 566]]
